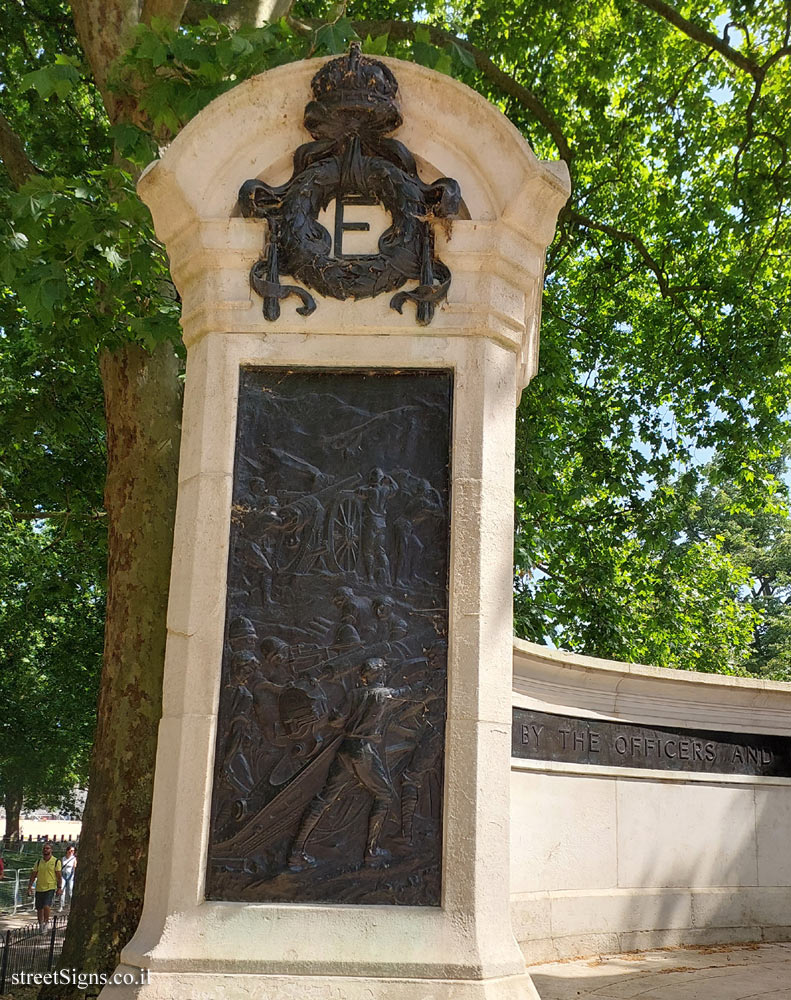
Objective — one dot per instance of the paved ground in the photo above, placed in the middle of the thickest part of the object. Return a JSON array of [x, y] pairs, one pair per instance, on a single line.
[[25, 918], [727, 973]]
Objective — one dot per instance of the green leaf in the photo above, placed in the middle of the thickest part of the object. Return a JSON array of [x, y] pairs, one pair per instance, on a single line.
[[7, 268], [375, 46], [465, 58], [424, 54], [168, 118], [133, 143], [335, 37], [152, 47], [58, 79], [444, 63], [241, 46]]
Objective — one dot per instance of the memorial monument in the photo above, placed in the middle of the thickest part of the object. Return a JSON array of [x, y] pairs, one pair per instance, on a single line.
[[359, 248]]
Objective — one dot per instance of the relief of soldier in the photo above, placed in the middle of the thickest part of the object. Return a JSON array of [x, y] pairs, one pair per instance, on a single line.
[[360, 761]]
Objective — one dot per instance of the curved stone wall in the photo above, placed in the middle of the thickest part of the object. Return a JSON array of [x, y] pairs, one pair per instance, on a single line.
[[617, 858]]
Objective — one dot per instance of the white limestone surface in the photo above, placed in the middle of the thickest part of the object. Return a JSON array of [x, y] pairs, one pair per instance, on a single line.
[[608, 859]]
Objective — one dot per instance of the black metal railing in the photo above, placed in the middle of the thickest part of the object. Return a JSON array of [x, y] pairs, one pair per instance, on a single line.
[[27, 949]]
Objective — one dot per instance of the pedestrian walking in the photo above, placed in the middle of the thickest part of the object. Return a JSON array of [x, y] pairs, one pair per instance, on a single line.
[[68, 869], [47, 876]]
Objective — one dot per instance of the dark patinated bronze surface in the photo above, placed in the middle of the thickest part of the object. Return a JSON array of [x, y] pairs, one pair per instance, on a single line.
[[545, 736], [330, 745], [352, 159]]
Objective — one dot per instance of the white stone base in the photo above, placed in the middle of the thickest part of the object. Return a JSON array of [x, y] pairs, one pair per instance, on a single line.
[[212, 986]]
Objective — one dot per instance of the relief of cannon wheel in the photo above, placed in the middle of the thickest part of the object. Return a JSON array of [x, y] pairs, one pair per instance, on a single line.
[[295, 554], [323, 524], [344, 533]]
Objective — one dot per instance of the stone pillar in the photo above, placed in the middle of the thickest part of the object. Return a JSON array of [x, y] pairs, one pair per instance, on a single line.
[[484, 334]]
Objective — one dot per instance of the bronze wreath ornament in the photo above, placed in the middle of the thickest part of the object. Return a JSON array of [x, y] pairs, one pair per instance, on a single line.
[[354, 107]]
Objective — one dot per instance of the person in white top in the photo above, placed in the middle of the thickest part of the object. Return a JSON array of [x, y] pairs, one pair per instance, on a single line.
[[68, 867]]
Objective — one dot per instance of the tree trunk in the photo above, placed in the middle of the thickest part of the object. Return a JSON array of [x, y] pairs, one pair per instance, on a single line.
[[12, 803], [143, 405]]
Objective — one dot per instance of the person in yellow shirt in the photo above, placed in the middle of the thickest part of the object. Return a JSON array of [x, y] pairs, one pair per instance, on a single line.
[[46, 874]]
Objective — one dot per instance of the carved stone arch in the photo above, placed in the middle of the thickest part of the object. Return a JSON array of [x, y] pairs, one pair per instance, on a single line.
[[245, 132]]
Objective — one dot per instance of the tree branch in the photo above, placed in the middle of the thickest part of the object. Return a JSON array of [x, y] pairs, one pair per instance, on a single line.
[[170, 11], [627, 237], [402, 30], [704, 36], [237, 12], [12, 153], [776, 57], [104, 30]]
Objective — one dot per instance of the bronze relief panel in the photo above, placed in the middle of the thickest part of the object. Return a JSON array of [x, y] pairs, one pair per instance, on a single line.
[[329, 760]]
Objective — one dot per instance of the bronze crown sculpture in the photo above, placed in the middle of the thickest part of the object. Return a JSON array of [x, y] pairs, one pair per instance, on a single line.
[[351, 159]]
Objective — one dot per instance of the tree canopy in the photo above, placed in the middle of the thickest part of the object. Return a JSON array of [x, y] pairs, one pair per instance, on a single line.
[[51, 623], [52, 560], [651, 516]]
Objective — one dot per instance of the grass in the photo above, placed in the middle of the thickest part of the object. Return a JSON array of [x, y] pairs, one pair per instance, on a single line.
[[19, 859]]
